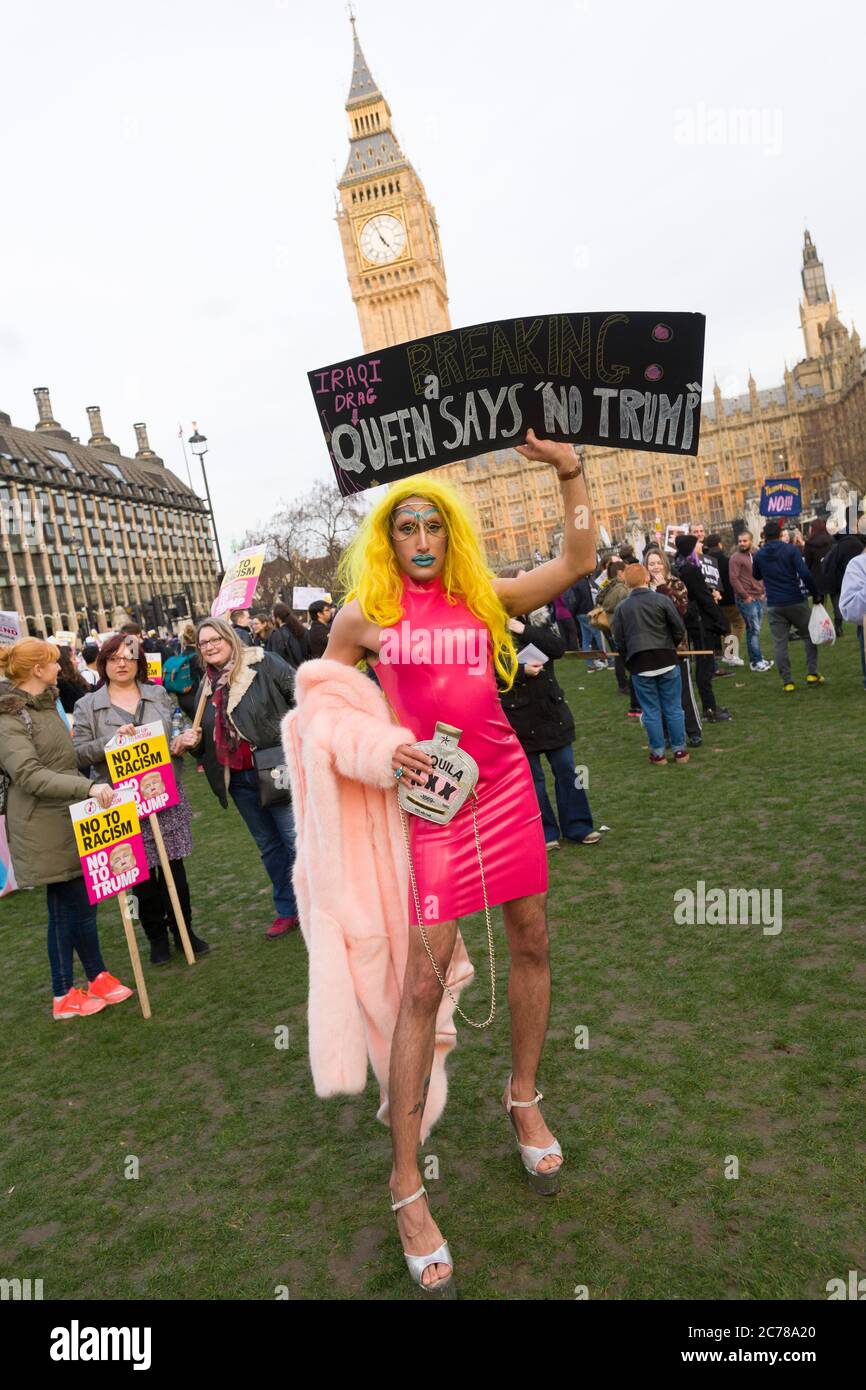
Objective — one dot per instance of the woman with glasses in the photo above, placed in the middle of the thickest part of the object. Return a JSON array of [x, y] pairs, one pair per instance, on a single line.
[[248, 691], [124, 700]]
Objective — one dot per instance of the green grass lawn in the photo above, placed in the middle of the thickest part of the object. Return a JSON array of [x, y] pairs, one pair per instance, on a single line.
[[704, 1042]]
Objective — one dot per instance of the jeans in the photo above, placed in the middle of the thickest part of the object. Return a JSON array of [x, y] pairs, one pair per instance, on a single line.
[[572, 802], [71, 926], [753, 616], [794, 615], [661, 701], [274, 833], [590, 638]]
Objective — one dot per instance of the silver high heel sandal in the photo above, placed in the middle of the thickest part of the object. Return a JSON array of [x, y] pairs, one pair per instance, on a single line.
[[445, 1288], [545, 1183]]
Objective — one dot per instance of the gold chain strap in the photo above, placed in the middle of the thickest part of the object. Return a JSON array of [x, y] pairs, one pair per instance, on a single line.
[[490, 951]]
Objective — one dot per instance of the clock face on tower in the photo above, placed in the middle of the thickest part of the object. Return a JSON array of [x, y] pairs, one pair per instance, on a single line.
[[383, 239]]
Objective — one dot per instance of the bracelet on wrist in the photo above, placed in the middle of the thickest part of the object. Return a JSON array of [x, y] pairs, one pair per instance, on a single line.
[[567, 477]]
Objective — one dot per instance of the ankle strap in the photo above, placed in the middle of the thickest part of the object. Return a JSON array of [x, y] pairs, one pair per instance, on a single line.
[[422, 1192], [523, 1104]]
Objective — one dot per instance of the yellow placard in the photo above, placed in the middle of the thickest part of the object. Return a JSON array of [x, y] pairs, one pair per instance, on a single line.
[[248, 565], [101, 829], [137, 755]]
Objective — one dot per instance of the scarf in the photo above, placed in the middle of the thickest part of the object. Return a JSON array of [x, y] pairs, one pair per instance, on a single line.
[[232, 751]]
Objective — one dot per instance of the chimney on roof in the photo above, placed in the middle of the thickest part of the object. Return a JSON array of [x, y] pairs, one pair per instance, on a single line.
[[144, 451], [4, 418], [98, 438], [43, 401], [97, 433]]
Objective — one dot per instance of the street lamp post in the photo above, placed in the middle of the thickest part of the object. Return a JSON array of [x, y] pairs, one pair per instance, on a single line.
[[198, 443]]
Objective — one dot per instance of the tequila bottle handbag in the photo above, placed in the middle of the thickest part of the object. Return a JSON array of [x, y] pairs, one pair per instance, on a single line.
[[449, 785]]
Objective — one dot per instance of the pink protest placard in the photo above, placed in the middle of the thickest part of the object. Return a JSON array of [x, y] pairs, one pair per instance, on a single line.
[[141, 763], [239, 582], [113, 857]]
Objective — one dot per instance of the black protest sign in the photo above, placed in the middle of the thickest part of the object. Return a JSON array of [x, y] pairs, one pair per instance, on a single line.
[[630, 381]]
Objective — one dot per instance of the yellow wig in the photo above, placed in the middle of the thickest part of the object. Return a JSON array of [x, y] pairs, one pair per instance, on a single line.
[[369, 572]]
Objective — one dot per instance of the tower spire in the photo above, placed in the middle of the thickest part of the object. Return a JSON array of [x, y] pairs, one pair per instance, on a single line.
[[362, 88], [817, 305], [374, 148]]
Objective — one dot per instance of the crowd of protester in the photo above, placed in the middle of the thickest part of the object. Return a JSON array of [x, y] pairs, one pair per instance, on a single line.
[[60, 707], [666, 624]]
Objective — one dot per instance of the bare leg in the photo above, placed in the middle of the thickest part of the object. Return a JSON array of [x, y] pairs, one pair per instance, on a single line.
[[411, 1063], [529, 1001]]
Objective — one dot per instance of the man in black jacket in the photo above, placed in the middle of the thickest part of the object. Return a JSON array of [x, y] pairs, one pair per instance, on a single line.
[[704, 621], [728, 599], [845, 549], [580, 599], [538, 712], [321, 614], [647, 629]]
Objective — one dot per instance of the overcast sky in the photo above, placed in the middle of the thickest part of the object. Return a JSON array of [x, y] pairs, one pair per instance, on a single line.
[[168, 249]]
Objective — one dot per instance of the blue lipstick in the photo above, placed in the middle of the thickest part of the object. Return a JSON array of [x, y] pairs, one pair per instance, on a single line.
[[423, 560]]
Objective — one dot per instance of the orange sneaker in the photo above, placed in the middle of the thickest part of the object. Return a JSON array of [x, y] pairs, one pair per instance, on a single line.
[[108, 989], [77, 1004]]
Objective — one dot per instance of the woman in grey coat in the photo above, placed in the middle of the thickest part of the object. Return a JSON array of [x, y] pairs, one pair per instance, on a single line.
[[125, 699]]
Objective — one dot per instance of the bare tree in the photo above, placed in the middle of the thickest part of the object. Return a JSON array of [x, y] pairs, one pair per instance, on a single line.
[[305, 539]]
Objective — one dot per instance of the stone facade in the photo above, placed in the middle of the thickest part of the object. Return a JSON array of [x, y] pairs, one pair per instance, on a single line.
[[85, 530]]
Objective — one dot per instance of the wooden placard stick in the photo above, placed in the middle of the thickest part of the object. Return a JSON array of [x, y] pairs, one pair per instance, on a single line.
[[134, 957], [202, 701], [172, 889], [595, 651]]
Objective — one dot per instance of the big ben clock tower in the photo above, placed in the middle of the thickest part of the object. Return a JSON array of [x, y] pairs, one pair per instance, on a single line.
[[388, 227]]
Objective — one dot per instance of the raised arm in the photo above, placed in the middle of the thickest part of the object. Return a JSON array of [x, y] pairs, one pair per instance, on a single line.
[[542, 584], [344, 636]]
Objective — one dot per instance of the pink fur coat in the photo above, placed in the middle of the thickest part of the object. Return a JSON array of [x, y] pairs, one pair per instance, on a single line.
[[351, 882]]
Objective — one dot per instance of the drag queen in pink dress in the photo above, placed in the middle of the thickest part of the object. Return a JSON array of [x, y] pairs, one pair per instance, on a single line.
[[430, 618]]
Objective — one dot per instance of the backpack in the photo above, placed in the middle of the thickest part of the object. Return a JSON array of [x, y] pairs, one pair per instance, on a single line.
[[177, 676]]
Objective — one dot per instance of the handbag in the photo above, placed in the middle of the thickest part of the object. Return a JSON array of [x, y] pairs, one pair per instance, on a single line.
[[273, 777], [599, 618]]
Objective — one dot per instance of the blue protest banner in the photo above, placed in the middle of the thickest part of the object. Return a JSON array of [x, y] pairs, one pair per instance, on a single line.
[[781, 497]]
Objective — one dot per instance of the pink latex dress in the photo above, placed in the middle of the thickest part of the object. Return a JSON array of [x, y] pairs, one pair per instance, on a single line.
[[463, 693]]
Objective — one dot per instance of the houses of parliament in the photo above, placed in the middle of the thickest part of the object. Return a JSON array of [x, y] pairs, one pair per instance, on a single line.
[[812, 426]]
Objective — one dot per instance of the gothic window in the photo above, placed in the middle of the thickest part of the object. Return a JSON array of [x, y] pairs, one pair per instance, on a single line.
[[644, 488], [745, 469], [678, 482], [711, 474]]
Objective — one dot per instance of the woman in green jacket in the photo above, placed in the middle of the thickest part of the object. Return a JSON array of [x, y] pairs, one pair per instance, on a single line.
[[40, 772]]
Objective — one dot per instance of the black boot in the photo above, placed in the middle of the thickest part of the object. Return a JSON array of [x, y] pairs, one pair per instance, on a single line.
[[199, 947], [159, 949]]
